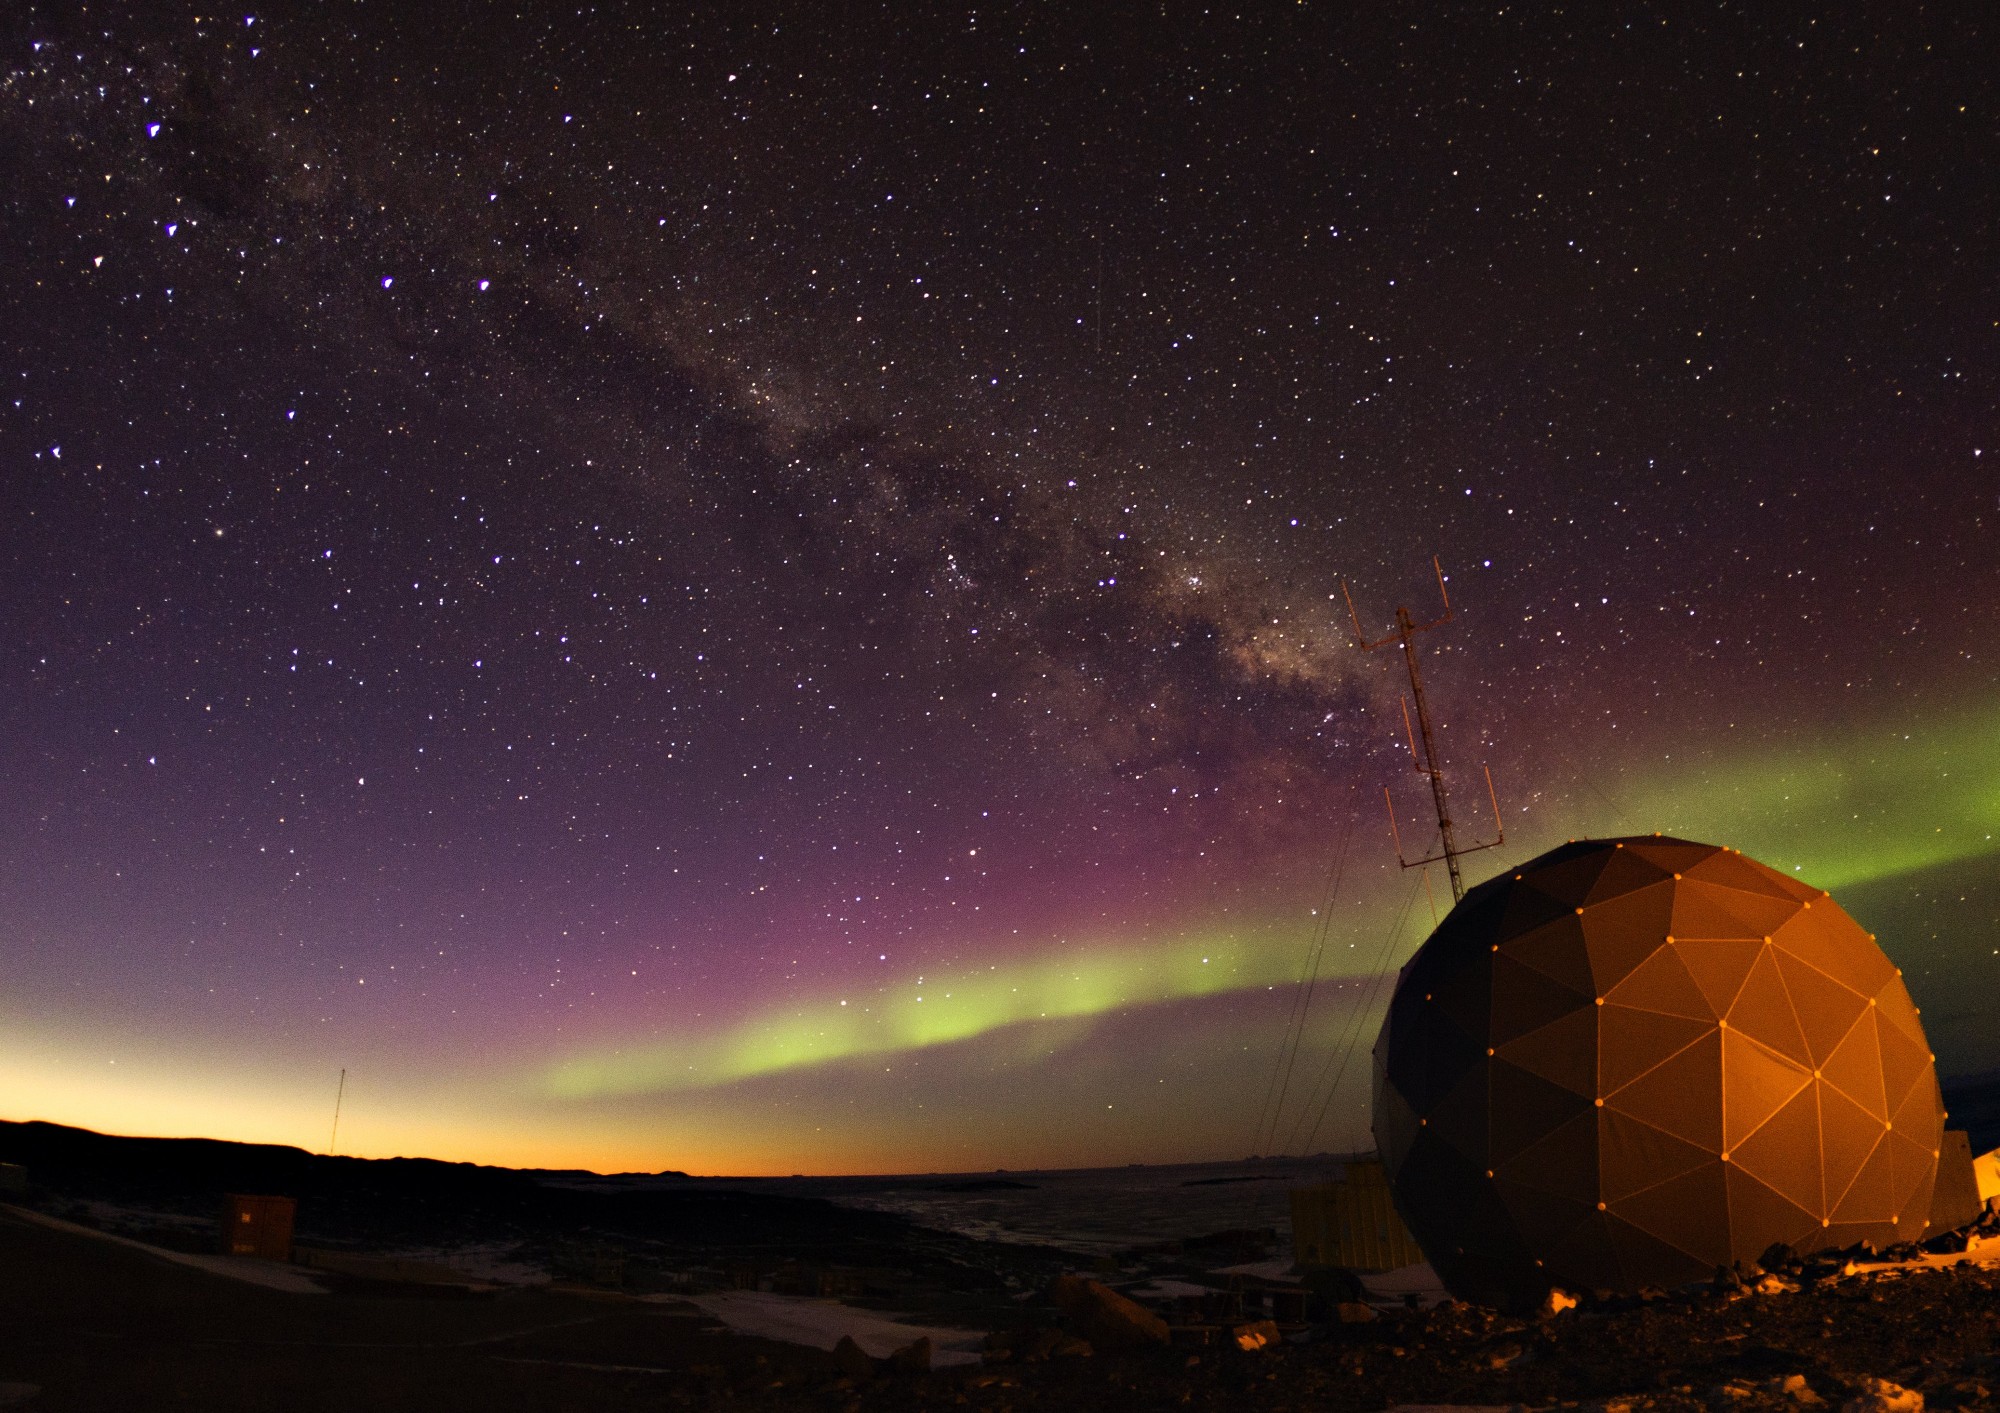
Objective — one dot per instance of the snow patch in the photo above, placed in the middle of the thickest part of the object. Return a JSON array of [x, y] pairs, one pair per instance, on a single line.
[[819, 1324]]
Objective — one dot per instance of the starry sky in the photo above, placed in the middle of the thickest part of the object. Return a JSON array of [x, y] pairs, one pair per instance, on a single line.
[[758, 588]]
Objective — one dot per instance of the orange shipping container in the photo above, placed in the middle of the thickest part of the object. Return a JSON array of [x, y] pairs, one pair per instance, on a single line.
[[258, 1226]]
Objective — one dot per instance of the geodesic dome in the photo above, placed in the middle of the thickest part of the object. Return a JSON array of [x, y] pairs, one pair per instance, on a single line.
[[1630, 1061]]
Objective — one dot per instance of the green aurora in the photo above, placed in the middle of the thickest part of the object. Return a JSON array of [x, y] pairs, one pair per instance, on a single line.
[[1085, 980], [1846, 810], [1865, 807]]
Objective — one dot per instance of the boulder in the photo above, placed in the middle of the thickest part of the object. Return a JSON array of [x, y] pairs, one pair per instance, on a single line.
[[854, 1361], [1881, 1396], [1795, 1387]]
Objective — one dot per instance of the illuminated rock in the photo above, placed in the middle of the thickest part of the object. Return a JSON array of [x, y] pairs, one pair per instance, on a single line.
[[1631, 1061]]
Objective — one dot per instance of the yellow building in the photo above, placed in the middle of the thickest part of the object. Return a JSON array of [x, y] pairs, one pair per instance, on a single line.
[[1351, 1223]]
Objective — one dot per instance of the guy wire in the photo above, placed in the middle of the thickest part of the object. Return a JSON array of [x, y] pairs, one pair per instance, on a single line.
[[1295, 1025], [1345, 1052]]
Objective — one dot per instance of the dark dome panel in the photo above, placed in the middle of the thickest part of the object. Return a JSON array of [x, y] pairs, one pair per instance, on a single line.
[[1563, 1052], [1731, 870], [1625, 873], [1634, 1156], [1619, 932]]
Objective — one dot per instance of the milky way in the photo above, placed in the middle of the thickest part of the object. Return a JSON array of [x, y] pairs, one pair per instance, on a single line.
[[762, 592]]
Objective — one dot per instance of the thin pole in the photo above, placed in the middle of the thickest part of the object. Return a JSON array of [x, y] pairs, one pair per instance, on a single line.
[[1407, 631], [338, 1095]]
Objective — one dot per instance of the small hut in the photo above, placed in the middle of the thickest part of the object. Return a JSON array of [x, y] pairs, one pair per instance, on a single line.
[[258, 1226]]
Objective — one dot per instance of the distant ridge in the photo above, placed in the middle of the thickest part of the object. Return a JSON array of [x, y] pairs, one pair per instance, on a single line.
[[422, 1201], [224, 1165]]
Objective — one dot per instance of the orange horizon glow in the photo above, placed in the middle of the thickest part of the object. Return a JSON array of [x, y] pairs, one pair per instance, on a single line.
[[164, 1106]]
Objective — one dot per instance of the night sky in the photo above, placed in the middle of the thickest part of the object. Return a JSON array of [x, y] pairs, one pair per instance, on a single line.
[[759, 590]]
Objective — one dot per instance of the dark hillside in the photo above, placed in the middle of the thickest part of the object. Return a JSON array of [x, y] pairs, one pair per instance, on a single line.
[[419, 1201]]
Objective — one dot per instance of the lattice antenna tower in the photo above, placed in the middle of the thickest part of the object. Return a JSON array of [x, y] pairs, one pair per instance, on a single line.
[[1426, 758]]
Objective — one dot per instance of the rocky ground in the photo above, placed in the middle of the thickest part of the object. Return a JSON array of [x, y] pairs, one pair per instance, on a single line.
[[98, 1326], [90, 1324]]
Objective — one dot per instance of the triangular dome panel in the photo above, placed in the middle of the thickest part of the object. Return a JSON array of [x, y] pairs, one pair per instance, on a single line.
[[1719, 966], [1555, 949], [1462, 1117], [1784, 1154], [1782, 883], [1906, 1063], [1563, 1163], [1763, 1010], [1871, 1196], [1661, 983], [1755, 914], [1756, 1083], [1464, 996], [1433, 1168], [1631, 1042], [1621, 932], [1855, 1069], [1673, 855], [1477, 921], [1682, 1097], [1626, 871], [1525, 999], [1538, 1215], [1429, 968], [1528, 907], [1526, 1109], [1755, 1211], [1633, 1155], [1826, 1009], [1832, 941], [1427, 1053], [1921, 1113], [1912, 1170], [1563, 1052], [1727, 870], [1645, 1260], [1689, 1213], [1702, 911], [1895, 1007], [1447, 1203], [1569, 882], [1395, 1127], [1848, 1136]]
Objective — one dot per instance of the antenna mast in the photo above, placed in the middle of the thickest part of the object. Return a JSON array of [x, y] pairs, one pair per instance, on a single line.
[[1426, 760], [338, 1095]]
